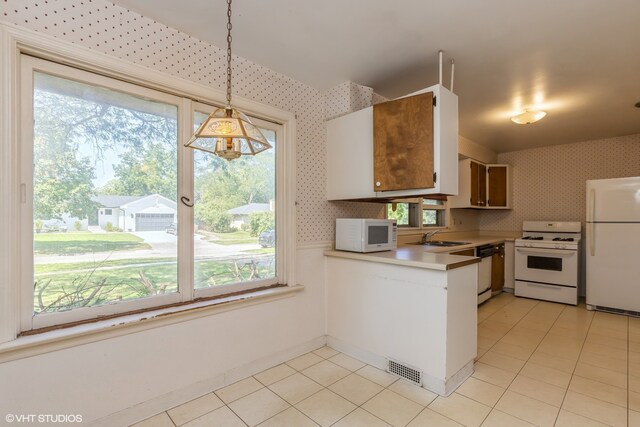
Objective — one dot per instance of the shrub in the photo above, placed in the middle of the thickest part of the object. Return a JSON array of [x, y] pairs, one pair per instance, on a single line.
[[39, 224], [108, 226], [77, 225], [261, 221]]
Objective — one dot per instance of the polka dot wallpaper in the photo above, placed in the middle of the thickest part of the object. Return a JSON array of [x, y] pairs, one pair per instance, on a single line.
[[549, 182], [116, 31]]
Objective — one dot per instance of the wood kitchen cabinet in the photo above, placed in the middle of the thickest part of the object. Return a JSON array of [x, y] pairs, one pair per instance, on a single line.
[[403, 143], [497, 269], [401, 148], [498, 186], [482, 186]]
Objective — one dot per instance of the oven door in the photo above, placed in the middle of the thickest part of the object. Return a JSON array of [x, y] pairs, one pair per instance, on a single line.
[[542, 265]]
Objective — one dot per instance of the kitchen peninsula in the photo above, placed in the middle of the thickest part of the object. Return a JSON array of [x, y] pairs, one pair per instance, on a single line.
[[408, 308]]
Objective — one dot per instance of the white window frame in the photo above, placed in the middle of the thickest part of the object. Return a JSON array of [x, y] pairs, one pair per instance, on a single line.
[[13, 42], [416, 207], [28, 66], [280, 225], [442, 210]]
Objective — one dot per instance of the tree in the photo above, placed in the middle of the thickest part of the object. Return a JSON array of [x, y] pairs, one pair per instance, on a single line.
[[261, 221], [62, 184], [148, 170], [222, 185], [72, 134]]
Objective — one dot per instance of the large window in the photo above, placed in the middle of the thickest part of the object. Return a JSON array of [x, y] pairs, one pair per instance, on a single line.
[[103, 172]]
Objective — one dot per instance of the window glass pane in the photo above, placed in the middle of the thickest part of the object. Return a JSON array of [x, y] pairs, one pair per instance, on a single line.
[[104, 182], [235, 216], [401, 214], [430, 217], [432, 202]]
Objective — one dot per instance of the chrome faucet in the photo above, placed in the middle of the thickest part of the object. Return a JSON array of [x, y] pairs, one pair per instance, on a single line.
[[426, 237]]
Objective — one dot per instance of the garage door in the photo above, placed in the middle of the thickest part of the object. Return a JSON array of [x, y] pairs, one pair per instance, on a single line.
[[153, 222]]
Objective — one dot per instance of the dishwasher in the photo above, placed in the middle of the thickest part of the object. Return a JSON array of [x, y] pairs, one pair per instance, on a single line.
[[485, 253]]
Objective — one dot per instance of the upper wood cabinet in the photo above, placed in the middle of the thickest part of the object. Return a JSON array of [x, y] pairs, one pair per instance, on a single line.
[[483, 186], [498, 186], [401, 148], [402, 134]]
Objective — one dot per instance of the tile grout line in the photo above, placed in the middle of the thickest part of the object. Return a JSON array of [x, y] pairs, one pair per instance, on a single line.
[[545, 335], [574, 370], [489, 349]]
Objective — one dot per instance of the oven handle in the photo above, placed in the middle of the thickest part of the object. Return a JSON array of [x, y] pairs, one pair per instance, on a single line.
[[543, 251], [540, 285]]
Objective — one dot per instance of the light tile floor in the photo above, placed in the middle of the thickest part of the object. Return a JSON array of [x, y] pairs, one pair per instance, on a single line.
[[538, 363]]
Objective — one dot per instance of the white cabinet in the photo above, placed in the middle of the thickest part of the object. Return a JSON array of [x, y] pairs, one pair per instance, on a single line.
[[350, 152], [421, 318], [483, 186]]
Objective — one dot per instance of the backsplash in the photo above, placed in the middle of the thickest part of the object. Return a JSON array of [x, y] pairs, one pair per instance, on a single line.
[[116, 31], [550, 181]]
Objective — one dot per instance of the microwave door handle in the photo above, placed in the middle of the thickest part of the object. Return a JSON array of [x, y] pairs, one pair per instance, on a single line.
[[542, 251]]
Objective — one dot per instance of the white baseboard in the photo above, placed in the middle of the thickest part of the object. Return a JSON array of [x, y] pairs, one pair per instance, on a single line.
[[443, 388], [172, 399], [365, 356]]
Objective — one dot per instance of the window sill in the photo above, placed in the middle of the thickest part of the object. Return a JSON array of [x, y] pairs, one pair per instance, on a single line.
[[58, 339]]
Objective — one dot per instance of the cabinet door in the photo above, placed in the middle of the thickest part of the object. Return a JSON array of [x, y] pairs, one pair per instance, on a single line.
[[497, 270], [497, 186], [482, 185], [403, 143], [475, 185], [465, 252]]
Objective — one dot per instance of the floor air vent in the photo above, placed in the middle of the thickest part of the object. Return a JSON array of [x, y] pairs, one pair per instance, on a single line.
[[405, 371]]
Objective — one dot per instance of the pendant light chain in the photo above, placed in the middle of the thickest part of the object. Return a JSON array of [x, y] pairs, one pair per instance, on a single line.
[[228, 54], [228, 133]]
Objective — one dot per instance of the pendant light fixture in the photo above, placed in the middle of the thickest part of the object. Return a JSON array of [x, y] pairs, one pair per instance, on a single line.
[[227, 132]]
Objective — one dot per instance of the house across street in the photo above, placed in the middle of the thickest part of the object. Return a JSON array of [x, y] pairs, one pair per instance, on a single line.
[[136, 213]]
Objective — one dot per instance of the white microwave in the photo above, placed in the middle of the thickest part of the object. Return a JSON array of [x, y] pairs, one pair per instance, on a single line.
[[366, 234]]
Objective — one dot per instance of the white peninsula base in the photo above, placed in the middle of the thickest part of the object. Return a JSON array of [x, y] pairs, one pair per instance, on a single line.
[[421, 315]]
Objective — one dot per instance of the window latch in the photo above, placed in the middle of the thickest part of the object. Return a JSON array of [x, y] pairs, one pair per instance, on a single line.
[[186, 201]]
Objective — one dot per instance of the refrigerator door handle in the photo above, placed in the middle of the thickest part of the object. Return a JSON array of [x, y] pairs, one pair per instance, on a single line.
[[592, 205], [592, 239]]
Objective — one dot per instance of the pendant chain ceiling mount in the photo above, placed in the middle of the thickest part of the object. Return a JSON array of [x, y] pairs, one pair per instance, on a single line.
[[227, 132]]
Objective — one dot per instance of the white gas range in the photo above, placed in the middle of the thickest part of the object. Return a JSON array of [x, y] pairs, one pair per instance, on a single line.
[[546, 261]]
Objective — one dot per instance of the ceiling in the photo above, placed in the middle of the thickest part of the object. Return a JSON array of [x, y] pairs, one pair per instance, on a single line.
[[578, 60]]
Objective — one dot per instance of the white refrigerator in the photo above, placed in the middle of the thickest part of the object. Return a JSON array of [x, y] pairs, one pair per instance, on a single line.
[[613, 244]]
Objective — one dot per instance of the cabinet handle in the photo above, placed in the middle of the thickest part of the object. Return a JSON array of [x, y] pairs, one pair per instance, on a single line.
[[378, 184]]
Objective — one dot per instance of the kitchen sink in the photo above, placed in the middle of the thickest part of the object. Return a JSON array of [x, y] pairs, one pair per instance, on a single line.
[[443, 243]]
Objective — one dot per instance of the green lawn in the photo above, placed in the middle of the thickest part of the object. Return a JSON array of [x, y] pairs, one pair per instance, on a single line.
[[122, 280], [227, 239], [80, 243], [44, 269]]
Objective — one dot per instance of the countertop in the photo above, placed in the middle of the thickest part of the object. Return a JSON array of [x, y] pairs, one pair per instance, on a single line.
[[428, 257], [473, 241], [410, 256]]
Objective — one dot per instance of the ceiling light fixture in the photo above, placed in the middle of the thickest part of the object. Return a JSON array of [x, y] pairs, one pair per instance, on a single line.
[[227, 132], [528, 116]]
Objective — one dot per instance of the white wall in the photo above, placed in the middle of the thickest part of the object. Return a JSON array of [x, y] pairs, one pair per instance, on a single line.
[[116, 218], [549, 183], [105, 377]]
